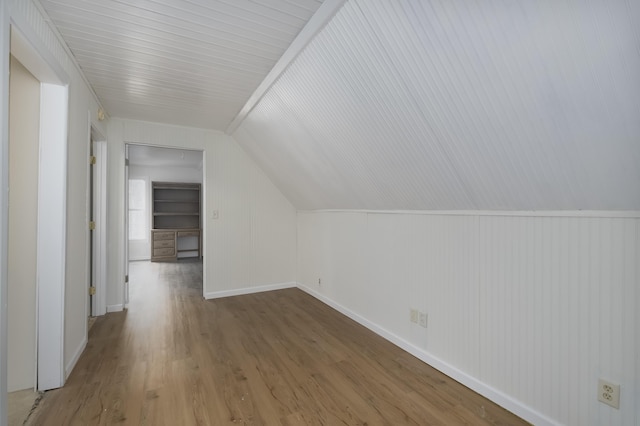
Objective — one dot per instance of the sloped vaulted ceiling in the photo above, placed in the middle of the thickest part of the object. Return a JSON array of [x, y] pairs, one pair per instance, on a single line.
[[458, 104], [187, 62]]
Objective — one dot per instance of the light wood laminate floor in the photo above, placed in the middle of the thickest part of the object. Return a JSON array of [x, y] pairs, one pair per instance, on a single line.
[[20, 405], [276, 358]]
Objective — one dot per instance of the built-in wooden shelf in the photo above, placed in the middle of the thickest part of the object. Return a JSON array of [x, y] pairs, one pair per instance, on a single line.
[[175, 219]]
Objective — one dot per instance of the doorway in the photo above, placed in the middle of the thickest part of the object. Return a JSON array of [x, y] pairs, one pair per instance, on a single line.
[[96, 216], [38, 107], [148, 164], [24, 125]]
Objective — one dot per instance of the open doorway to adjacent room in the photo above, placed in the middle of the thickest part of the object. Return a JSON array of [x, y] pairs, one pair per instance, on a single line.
[[164, 218]]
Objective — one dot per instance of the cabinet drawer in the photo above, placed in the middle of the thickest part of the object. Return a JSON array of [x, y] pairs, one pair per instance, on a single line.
[[164, 236], [168, 251], [188, 233], [163, 243]]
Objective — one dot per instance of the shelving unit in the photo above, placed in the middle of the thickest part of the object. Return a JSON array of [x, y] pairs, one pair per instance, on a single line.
[[175, 219]]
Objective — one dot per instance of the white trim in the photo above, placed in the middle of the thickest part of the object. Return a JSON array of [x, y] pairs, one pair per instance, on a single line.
[[76, 356], [125, 281], [70, 55], [318, 21], [115, 308], [502, 399], [89, 276], [5, 50], [203, 221], [633, 214], [140, 259], [248, 290], [51, 234], [27, 47], [100, 233]]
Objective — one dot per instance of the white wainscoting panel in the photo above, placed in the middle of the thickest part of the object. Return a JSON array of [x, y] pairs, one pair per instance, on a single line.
[[534, 307]]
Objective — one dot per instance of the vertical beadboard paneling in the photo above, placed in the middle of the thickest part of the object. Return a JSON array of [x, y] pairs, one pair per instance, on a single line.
[[347, 260], [387, 242], [312, 250], [437, 245], [191, 63], [537, 307], [454, 104], [30, 13]]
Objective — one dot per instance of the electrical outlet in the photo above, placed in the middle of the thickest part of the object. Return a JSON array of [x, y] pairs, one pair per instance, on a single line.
[[609, 393], [414, 316], [423, 320]]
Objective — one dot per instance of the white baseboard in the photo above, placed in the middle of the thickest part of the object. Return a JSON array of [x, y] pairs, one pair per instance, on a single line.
[[74, 360], [502, 399], [248, 290], [115, 308]]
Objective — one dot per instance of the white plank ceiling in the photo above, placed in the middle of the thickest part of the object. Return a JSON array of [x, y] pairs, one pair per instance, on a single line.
[[395, 104], [187, 62], [459, 104]]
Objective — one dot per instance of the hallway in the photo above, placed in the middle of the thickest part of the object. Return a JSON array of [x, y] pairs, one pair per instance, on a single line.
[[271, 358]]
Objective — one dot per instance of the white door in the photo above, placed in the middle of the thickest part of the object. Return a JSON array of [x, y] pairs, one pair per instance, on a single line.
[[126, 225]]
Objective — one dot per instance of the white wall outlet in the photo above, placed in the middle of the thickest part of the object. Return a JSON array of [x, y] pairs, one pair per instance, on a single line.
[[413, 316], [609, 393], [215, 215], [423, 320]]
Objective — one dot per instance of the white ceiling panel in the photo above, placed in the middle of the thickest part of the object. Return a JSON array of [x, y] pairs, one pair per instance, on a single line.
[[188, 62], [456, 104]]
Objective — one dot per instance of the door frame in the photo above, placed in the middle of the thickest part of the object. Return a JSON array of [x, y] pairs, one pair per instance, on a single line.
[[99, 241], [52, 204], [125, 287], [125, 248]]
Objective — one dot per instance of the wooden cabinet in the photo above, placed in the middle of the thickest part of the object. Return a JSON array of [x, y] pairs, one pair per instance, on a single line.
[[175, 221], [163, 245]]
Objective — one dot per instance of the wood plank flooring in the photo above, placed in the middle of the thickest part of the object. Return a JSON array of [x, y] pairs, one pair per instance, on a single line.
[[276, 358]]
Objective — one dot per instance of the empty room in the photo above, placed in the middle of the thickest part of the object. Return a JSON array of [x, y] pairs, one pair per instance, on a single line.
[[323, 212]]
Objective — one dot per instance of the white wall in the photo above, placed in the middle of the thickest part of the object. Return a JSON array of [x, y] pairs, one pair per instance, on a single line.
[[23, 202], [141, 249], [81, 103], [251, 245], [529, 309]]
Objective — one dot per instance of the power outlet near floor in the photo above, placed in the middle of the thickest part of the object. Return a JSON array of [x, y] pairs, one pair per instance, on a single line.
[[609, 393], [417, 317], [423, 320]]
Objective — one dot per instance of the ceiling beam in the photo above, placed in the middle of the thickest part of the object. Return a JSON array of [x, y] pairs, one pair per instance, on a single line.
[[317, 22]]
